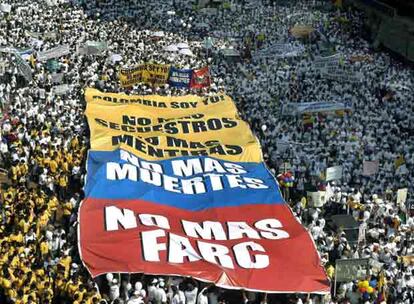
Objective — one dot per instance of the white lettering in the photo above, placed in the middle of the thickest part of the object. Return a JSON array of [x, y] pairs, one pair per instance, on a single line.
[[243, 258], [154, 220], [234, 168], [193, 186], [211, 165], [269, 231], [235, 181], [239, 230], [114, 171], [187, 167], [215, 252], [180, 247], [150, 177], [254, 183], [150, 246], [115, 217], [208, 230], [171, 184]]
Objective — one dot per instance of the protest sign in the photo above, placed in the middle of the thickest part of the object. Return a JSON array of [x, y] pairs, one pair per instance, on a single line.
[[346, 223], [61, 89], [360, 58], [42, 35], [339, 74], [280, 50], [36, 43], [215, 217], [200, 78], [154, 74], [81, 50], [301, 31], [23, 67], [328, 61], [370, 167], [25, 53], [348, 270], [402, 198], [333, 173], [316, 199], [314, 107], [5, 8], [180, 78], [55, 52], [230, 52], [95, 47], [57, 77]]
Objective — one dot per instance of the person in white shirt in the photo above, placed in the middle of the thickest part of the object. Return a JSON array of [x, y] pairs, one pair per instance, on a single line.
[[202, 297], [136, 298], [191, 293], [160, 295], [176, 299], [152, 290], [114, 289]]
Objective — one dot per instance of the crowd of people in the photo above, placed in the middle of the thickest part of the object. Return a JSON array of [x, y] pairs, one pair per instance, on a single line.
[[44, 138]]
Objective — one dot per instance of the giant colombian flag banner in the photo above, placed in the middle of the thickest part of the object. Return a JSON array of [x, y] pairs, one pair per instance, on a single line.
[[182, 190]]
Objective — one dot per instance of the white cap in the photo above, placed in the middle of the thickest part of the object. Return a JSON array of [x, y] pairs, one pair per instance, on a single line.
[[138, 286], [109, 277]]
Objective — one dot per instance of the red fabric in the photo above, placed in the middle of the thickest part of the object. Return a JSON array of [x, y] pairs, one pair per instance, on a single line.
[[294, 265], [200, 78]]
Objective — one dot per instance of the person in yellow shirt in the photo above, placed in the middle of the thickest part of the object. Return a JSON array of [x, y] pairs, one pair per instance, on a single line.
[[24, 224], [12, 292], [65, 263], [40, 198], [52, 206], [15, 173], [76, 299], [23, 168], [30, 279], [330, 271], [94, 299], [47, 292], [63, 184], [59, 283], [5, 280], [74, 142], [72, 287], [17, 237], [67, 212], [65, 165], [43, 219], [44, 248], [53, 166]]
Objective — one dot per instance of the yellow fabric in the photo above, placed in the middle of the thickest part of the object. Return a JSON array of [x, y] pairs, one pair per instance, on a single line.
[[155, 74], [155, 134]]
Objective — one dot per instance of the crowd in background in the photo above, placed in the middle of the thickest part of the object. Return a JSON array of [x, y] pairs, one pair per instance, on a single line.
[[44, 138]]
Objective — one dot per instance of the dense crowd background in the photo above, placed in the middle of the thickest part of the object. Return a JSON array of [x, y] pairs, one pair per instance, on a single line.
[[44, 139]]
